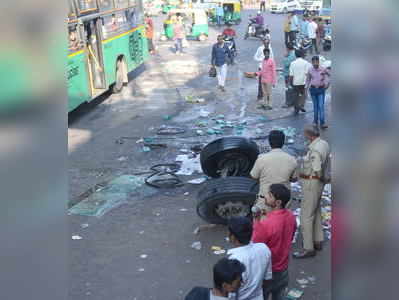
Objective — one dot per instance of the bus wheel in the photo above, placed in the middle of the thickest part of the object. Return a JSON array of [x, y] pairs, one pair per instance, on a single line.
[[202, 37], [118, 85]]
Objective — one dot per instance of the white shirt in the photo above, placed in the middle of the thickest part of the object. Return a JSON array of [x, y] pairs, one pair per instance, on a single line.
[[260, 57], [312, 27], [298, 69], [258, 263]]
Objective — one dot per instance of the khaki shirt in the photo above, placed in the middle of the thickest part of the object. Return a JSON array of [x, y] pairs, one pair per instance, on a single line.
[[314, 158], [275, 166]]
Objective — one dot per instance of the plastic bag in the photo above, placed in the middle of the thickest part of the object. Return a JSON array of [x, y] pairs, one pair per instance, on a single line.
[[212, 72]]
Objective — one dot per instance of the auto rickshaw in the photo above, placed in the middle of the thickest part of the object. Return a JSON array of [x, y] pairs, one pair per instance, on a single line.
[[232, 12], [195, 22]]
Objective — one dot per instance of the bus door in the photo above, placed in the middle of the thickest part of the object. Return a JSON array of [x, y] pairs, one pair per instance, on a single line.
[[95, 57]]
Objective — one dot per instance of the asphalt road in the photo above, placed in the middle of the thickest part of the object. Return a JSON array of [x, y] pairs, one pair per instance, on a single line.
[[107, 263]]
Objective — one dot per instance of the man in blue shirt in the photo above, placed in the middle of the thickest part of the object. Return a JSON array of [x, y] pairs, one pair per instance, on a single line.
[[294, 27], [304, 26], [219, 14], [221, 55]]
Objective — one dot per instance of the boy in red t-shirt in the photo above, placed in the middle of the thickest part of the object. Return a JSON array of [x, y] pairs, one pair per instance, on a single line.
[[276, 231]]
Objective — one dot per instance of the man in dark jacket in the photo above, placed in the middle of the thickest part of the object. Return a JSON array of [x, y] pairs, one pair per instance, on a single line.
[[221, 55], [227, 276]]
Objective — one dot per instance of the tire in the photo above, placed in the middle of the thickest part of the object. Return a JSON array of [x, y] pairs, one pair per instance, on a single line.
[[229, 192], [202, 37], [118, 85], [237, 152]]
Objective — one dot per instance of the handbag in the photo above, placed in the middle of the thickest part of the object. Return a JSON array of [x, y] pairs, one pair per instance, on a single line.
[[212, 72]]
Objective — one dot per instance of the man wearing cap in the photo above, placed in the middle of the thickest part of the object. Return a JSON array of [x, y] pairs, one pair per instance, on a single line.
[[260, 57], [276, 166], [310, 173]]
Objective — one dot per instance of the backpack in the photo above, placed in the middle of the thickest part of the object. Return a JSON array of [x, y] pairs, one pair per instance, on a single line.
[[198, 293]]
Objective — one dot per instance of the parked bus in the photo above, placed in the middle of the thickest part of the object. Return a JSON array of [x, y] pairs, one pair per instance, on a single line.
[[106, 42]]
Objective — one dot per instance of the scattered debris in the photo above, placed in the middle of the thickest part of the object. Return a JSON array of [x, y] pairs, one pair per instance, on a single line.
[[183, 209], [143, 256], [85, 225], [122, 158], [204, 113], [196, 230], [302, 281], [218, 252], [169, 130], [216, 248], [312, 279], [76, 237], [294, 294], [141, 232], [196, 245], [197, 180], [188, 261], [189, 165], [141, 270], [167, 117], [186, 193], [200, 132], [146, 149]]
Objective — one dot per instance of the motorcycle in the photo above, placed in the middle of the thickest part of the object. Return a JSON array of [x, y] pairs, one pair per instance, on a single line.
[[229, 41], [327, 43], [253, 30], [302, 43]]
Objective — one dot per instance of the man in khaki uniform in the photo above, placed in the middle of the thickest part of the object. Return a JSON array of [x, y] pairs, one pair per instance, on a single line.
[[275, 166], [310, 172]]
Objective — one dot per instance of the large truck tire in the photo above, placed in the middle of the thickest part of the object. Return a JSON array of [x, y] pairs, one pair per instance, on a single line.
[[229, 156], [223, 198]]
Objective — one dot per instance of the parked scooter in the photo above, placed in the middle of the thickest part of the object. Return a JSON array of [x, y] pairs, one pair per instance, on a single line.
[[254, 30]]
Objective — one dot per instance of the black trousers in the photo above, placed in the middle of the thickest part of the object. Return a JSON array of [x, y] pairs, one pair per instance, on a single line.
[[286, 37], [292, 36], [262, 6], [314, 47], [260, 91], [299, 97]]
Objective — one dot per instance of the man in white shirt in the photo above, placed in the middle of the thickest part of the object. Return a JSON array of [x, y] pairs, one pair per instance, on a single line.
[[259, 57], [256, 257], [312, 29], [298, 72]]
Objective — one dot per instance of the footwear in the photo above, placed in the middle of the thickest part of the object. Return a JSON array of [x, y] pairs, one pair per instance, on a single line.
[[222, 89], [302, 110], [324, 126], [261, 106], [318, 246], [296, 112], [304, 254]]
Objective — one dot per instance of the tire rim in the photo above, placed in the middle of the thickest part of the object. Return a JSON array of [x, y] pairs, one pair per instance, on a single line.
[[232, 209]]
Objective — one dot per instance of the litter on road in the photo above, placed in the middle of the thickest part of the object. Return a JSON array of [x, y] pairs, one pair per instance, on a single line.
[[219, 252], [197, 180], [85, 225], [76, 237], [294, 294], [143, 256], [196, 245]]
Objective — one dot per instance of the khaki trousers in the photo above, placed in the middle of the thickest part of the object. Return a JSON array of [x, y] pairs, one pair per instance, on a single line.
[[267, 93], [312, 228]]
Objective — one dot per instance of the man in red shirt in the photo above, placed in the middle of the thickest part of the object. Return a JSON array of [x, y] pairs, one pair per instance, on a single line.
[[277, 232]]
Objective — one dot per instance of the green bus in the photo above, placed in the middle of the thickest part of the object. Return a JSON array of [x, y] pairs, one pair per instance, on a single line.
[[106, 41]]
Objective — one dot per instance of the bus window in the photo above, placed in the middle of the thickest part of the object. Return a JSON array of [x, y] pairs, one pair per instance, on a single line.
[[74, 43], [105, 5], [114, 24], [85, 6], [121, 3]]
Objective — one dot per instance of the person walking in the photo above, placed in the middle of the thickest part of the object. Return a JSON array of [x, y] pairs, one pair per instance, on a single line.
[[312, 34], [179, 35], [256, 257], [287, 29], [149, 30], [320, 34], [220, 56], [310, 174], [262, 6], [268, 79], [259, 57], [318, 82], [288, 59], [219, 14], [304, 27], [227, 278], [277, 232], [298, 72], [275, 166], [294, 26]]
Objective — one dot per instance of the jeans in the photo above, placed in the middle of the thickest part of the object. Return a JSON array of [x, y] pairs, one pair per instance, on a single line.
[[314, 47], [318, 96], [277, 286], [219, 20], [179, 45]]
